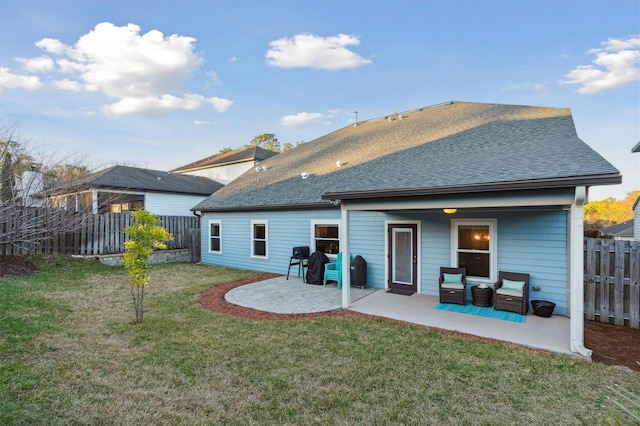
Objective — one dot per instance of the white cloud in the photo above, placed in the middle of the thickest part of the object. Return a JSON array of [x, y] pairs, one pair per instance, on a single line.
[[9, 80], [152, 105], [616, 64], [219, 104], [52, 46], [143, 73], [66, 84], [39, 64], [301, 119], [308, 50]]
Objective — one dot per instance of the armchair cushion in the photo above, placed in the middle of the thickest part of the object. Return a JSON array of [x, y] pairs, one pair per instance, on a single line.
[[508, 292], [512, 285], [455, 286], [451, 278]]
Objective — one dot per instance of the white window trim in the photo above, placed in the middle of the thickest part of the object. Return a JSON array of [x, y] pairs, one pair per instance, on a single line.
[[219, 223], [312, 233], [266, 240], [493, 246]]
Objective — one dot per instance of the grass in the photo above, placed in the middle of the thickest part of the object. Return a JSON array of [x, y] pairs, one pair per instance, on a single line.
[[70, 353]]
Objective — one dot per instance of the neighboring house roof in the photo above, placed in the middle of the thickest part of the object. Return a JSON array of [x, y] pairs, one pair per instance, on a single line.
[[240, 155], [137, 179], [457, 147], [636, 148], [622, 229]]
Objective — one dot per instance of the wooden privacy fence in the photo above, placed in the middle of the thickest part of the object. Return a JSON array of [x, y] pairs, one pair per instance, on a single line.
[[35, 231], [612, 281]]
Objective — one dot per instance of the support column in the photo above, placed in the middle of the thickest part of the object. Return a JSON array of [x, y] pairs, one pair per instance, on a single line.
[[346, 258]]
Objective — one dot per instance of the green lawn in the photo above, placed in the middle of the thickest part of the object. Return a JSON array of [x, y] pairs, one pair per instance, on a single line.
[[70, 353]]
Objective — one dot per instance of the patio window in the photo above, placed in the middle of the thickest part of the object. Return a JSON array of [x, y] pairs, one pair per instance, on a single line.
[[326, 236], [474, 246], [215, 236], [258, 238]]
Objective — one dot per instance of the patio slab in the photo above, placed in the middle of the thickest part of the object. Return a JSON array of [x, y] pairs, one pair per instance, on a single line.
[[551, 334], [293, 296]]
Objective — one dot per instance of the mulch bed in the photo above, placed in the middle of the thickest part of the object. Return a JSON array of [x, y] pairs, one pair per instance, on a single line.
[[611, 344], [13, 266]]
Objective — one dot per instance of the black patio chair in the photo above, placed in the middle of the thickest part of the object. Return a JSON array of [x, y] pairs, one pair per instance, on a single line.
[[299, 257]]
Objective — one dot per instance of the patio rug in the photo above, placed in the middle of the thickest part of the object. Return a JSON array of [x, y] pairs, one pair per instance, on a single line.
[[481, 311]]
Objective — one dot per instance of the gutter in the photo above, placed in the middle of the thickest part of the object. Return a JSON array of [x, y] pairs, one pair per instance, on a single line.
[[323, 205], [549, 183]]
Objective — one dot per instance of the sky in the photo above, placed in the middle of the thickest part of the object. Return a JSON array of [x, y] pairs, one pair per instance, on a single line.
[[160, 84]]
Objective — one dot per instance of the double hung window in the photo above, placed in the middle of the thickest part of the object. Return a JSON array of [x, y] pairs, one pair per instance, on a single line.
[[258, 238], [474, 246], [215, 236], [326, 236]]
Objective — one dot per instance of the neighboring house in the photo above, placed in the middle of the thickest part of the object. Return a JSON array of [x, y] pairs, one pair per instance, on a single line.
[[620, 231], [226, 166], [486, 186], [123, 188]]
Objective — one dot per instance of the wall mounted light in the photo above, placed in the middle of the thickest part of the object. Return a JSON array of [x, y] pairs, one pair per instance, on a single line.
[[449, 211], [339, 163], [304, 175]]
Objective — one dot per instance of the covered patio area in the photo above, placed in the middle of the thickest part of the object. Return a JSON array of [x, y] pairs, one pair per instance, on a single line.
[[283, 296]]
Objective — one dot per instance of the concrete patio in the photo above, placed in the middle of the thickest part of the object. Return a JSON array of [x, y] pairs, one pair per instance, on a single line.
[[293, 296]]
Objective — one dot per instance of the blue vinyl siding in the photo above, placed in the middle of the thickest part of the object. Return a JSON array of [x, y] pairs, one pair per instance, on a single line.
[[367, 238], [536, 243], [287, 229], [531, 241]]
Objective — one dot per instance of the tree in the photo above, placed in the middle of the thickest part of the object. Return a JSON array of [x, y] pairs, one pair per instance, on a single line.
[[267, 141], [27, 218], [145, 235], [288, 145], [60, 173], [611, 210], [7, 179]]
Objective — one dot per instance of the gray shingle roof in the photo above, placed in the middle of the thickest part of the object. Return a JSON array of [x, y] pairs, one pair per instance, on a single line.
[[453, 145], [622, 229], [230, 157], [137, 179]]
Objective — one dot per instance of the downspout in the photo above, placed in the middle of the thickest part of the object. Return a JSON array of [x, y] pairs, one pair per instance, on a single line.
[[346, 258], [576, 273]]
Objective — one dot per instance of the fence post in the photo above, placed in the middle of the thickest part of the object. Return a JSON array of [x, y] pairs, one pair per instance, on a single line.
[[634, 285]]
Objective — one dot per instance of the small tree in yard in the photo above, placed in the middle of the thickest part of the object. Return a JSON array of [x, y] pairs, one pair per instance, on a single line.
[[145, 235]]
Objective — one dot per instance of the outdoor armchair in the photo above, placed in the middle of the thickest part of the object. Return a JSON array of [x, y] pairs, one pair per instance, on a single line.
[[511, 292], [453, 285]]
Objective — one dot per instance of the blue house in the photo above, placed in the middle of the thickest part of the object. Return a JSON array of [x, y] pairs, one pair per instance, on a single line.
[[485, 186]]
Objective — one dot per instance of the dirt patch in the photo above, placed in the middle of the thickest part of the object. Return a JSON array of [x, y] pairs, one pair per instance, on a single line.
[[613, 344], [14, 266]]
